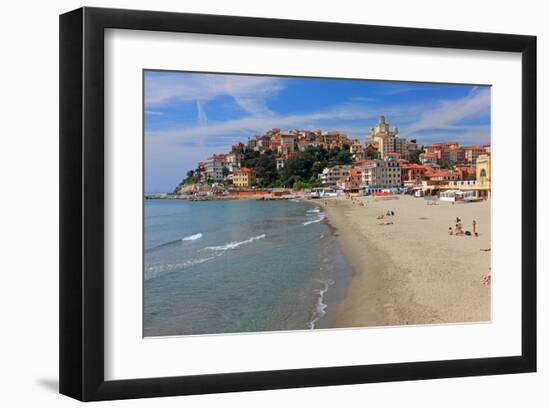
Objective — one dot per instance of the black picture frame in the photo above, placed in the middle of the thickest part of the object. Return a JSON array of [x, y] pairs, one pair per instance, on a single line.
[[82, 199]]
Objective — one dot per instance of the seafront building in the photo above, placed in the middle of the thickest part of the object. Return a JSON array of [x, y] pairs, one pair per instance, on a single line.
[[412, 172], [483, 174], [331, 176], [452, 180], [214, 167], [352, 182], [381, 173], [244, 177]]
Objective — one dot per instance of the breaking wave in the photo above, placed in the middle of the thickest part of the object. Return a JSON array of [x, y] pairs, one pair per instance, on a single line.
[[155, 271], [192, 237], [319, 219], [234, 244]]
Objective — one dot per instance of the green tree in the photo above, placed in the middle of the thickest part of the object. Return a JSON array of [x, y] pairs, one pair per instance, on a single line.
[[414, 157], [371, 153], [266, 169], [318, 167]]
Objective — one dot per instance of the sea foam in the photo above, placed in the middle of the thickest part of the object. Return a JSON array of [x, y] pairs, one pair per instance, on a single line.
[[158, 270], [319, 219], [192, 237], [320, 307], [316, 210], [234, 244]]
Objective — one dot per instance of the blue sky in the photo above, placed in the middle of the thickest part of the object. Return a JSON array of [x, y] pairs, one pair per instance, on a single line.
[[189, 116]]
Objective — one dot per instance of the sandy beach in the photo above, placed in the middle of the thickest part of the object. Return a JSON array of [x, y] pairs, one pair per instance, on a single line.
[[411, 271]]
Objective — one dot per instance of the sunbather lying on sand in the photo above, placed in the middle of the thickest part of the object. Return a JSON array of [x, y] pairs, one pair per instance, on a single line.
[[486, 279], [385, 223]]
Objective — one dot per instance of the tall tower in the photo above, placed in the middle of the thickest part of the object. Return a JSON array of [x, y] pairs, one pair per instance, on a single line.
[[380, 134]]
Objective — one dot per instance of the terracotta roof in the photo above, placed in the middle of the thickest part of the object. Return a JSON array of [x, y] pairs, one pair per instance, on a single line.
[[438, 144], [413, 166], [243, 170], [363, 161], [438, 173]]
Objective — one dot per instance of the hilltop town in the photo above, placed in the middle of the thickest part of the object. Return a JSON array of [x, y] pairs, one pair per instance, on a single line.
[[333, 162]]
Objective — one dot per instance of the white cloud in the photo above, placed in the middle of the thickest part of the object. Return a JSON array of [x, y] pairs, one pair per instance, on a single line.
[[447, 113], [201, 115], [249, 92], [353, 118]]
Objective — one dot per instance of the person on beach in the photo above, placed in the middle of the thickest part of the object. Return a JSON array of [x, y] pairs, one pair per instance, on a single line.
[[459, 223], [450, 231], [486, 279], [458, 230], [474, 225]]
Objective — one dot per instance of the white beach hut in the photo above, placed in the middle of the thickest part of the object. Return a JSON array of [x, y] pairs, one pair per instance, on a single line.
[[451, 196]]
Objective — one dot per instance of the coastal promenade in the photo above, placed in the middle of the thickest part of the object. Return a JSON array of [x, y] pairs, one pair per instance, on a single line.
[[407, 268]]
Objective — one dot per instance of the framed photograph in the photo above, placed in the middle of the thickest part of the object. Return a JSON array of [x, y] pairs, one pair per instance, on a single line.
[[253, 204]]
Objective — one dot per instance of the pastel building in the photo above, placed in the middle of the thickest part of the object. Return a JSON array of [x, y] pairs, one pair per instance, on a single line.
[[412, 172], [331, 176], [483, 170], [232, 161], [387, 140], [445, 152], [381, 173], [244, 177], [214, 167], [472, 152], [428, 158], [288, 140], [353, 181]]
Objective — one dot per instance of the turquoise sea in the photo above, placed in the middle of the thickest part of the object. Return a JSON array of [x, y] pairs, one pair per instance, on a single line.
[[239, 266]]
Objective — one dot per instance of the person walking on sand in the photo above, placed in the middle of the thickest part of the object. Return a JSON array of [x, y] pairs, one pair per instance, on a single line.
[[474, 225]]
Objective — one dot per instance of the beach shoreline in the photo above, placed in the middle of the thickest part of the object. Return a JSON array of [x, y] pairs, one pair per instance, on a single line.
[[407, 269]]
